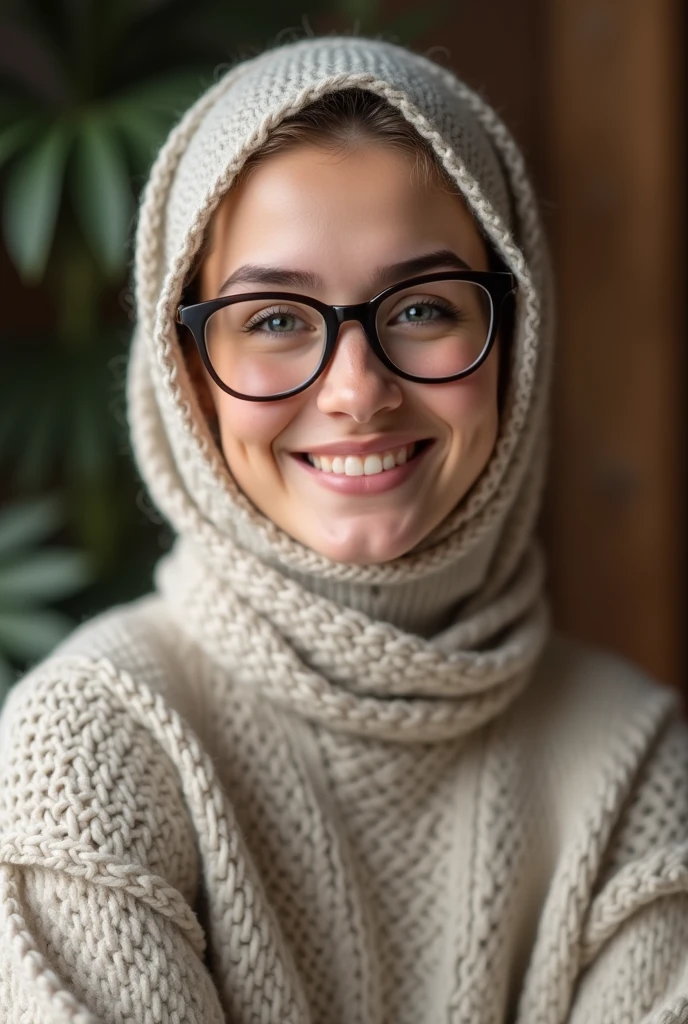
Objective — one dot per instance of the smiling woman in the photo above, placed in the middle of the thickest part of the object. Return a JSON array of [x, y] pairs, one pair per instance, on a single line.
[[338, 766], [368, 201]]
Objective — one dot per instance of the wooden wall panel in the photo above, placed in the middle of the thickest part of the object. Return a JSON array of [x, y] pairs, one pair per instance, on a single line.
[[614, 514]]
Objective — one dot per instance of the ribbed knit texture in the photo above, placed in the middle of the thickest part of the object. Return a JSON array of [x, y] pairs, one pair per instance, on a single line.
[[285, 790]]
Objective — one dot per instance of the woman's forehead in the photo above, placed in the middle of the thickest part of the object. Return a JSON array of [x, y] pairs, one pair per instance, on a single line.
[[364, 207]]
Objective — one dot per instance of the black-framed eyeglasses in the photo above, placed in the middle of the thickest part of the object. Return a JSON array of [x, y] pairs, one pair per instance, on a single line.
[[263, 346]]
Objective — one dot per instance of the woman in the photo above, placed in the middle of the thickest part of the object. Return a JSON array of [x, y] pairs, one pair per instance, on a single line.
[[337, 767]]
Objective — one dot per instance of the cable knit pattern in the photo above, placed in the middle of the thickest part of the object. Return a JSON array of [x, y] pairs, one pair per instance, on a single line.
[[282, 790]]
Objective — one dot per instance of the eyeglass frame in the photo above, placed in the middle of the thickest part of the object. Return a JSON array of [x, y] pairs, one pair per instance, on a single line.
[[497, 283]]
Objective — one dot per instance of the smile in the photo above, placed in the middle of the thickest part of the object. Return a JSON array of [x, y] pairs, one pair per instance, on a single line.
[[368, 465], [365, 475]]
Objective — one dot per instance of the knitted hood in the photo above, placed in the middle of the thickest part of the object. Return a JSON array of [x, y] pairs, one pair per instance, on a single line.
[[429, 644]]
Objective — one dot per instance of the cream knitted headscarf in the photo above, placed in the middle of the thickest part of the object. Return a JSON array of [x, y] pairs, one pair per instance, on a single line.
[[433, 643]]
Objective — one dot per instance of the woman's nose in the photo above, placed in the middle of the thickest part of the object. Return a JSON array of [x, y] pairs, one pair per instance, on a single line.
[[355, 382]]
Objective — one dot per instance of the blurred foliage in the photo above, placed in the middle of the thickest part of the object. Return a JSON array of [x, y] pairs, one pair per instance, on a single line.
[[32, 577], [89, 90]]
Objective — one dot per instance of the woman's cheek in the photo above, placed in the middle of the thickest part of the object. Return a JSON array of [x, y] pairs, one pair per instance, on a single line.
[[252, 424], [462, 402]]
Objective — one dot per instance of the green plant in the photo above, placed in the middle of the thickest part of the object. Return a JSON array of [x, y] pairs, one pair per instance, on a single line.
[[32, 577], [80, 123]]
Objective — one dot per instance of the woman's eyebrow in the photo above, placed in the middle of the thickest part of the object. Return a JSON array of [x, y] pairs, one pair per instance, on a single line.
[[253, 273], [418, 265]]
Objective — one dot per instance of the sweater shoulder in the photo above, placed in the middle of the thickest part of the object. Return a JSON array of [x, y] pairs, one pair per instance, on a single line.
[[93, 761], [601, 748], [140, 639], [583, 698], [135, 640], [597, 736]]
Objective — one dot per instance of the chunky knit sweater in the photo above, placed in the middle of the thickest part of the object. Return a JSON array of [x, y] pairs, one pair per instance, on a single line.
[[285, 790]]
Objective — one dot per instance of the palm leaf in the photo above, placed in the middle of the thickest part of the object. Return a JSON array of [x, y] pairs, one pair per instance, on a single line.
[[43, 576], [32, 197], [102, 194], [28, 522]]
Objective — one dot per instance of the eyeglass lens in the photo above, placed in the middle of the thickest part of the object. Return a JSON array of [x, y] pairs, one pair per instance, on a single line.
[[262, 347]]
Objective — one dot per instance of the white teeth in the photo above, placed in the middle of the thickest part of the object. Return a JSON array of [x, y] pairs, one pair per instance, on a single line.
[[353, 465], [372, 464]]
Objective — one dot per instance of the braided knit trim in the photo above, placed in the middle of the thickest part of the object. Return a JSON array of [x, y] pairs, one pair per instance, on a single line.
[[337, 666], [347, 644], [663, 873], [80, 860]]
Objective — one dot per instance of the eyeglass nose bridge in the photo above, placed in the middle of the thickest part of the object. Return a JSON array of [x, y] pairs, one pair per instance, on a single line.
[[362, 314]]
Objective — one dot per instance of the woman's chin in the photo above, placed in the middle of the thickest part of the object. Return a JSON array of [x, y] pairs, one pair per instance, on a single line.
[[363, 543]]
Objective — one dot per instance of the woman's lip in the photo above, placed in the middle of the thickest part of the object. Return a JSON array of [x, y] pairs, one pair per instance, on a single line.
[[376, 483], [359, 446]]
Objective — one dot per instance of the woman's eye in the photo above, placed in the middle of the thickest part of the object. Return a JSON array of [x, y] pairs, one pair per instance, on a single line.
[[421, 312], [280, 323], [275, 323]]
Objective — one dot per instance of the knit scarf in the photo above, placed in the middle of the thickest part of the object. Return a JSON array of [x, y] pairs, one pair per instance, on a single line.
[[434, 643]]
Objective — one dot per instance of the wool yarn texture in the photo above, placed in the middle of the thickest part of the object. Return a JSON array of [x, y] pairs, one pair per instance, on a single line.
[[287, 790]]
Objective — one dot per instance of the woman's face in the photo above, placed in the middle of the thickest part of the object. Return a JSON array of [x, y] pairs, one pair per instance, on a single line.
[[340, 219]]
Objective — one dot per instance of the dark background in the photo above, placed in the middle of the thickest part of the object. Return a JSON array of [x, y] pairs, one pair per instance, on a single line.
[[591, 89]]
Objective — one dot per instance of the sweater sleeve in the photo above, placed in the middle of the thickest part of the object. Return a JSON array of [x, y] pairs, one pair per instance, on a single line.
[[98, 865], [641, 975], [635, 941]]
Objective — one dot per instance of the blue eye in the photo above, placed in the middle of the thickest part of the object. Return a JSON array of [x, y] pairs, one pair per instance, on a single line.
[[280, 323], [419, 312], [425, 312], [275, 321]]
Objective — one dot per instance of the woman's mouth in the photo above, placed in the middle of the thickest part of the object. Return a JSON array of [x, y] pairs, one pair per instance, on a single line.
[[365, 474], [364, 465]]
